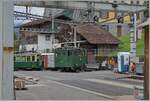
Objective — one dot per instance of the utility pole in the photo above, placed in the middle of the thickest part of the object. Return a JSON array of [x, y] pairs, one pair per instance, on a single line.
[[26, 12], [90, 11], [133, 38], [52, 35], [75, 36], [146, 62], [6, 50]]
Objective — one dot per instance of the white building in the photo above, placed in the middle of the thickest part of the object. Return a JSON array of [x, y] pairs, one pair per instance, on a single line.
[[37, 36], [44, 44]]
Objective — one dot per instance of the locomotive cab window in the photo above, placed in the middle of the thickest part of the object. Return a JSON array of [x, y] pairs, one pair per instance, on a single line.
[[33, 58], [47, 37], [28, 58], [23, 58], [69, 53]]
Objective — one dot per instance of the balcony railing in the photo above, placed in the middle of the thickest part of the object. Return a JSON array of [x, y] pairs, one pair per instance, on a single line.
[[36, 30]]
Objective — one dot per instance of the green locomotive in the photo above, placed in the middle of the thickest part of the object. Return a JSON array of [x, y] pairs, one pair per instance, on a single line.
[[65, 59], [70, 59], [27, 61]]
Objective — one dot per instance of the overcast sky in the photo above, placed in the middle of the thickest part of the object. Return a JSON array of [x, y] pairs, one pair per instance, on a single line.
[[33, 10]]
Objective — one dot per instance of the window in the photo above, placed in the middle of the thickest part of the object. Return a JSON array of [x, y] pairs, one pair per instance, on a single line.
[[69, 53], [105, 27], [132, 2], [28, 58], [119, 30], [115, 1], [23, 58], [104, 14], [146, 3], [47, 37], [138, 16], [122, 2], [138, 2], [33, 58]]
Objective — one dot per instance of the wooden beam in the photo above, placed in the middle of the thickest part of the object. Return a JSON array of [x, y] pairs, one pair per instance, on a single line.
[[146, 63]]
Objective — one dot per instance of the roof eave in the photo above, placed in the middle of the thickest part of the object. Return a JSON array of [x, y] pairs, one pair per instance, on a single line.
[[146, 23]]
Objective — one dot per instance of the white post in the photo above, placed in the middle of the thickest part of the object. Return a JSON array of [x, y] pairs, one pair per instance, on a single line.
[[133, 39], [75, 37], [135, 31], [6, 50], [52, 35]]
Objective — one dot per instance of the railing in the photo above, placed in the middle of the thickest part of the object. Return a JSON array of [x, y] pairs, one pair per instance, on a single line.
[[36, 30]]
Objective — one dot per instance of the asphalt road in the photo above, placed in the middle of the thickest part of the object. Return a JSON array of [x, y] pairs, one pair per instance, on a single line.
[[95, 85]]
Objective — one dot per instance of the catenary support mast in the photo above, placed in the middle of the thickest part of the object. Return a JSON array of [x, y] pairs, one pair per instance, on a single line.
[[6, 50]]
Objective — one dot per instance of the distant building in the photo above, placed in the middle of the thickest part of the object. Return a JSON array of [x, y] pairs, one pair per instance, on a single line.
[[113, 26], [37, 36], [138, 2], [99, 43], [116, 29]]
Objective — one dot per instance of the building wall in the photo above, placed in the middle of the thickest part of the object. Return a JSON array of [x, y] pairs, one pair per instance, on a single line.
[[43, 43], [112, 28], [126, 1], [96, 51], [29, 47]]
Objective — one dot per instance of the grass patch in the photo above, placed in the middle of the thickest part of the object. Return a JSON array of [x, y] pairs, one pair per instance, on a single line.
[[124, 45]]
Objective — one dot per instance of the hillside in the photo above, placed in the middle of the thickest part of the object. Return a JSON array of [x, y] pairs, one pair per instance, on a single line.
[[124, 45]]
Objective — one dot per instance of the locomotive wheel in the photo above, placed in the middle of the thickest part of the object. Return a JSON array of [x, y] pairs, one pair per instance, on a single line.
[[83, 68], [77, 70]]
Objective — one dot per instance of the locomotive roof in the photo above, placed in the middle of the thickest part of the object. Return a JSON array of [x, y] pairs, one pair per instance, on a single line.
[[25, 54], [47, 53], [69, 48]]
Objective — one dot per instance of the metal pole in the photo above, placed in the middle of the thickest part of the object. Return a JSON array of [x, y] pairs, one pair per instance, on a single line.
[[133, 39], [6, 50], [75, 37], [53, 35], [135, 31], [1, 48], [26, 12]]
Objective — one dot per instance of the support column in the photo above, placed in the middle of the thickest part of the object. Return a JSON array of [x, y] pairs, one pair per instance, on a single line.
[[75, 37], [6, 50], [146, 63], [133, 39], [53, 34], [1, 48]]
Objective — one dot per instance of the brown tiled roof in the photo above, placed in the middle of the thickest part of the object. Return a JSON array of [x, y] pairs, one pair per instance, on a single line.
[[34, 23], [95, 35]]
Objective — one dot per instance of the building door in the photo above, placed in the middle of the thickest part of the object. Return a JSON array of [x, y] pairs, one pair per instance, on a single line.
[[119, 30], [91, 57]]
